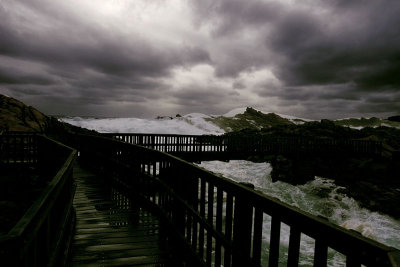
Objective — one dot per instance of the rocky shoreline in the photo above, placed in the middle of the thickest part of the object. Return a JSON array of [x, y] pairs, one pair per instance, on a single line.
[[373, 183]]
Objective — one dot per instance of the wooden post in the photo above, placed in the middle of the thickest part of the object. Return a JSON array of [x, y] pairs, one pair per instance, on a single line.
[[274, 241], [228, 227], [178, 212], [320, 253], [210, 209], [257, 237], [294, 246], [242, 232]]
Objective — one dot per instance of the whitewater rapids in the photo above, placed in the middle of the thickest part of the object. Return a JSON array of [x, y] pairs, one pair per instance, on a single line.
[[319, 197]]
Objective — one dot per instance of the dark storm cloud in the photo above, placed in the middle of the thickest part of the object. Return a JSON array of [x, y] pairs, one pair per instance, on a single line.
[[235, 15], [351, 45], [364, 47], [199, 97], [93, 48], [332, 55], [364, 50], [84, 59], [7, 77]]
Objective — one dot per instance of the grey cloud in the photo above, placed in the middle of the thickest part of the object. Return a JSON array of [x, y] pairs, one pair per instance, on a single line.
[[364, 51], [333, 55], [17, 78], [199, 96], [229, 17], [213, 100], [355, 44], [84, 60], [238, 85]]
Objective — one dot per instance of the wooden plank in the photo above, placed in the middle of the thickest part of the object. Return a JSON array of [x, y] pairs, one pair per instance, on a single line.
[[118, 240], [104, 236], [128, 261], [105, 233], [117, 254]]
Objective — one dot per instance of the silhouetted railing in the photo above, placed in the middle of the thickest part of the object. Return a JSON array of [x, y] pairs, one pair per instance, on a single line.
[[235, 146], [40, 236], [18, 148], [213, 221]]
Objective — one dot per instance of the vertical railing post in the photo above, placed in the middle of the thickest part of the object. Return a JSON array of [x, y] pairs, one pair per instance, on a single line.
[[243, 215], [320, 253], [152, 141], [274, 241], [178, 213]]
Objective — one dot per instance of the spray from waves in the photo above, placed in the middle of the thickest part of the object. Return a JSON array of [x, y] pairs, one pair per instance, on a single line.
[[321, 197], [189, 124]]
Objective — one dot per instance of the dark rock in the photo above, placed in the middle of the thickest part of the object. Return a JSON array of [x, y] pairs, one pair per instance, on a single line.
[[16, 116], [394, 118], [327, 123]]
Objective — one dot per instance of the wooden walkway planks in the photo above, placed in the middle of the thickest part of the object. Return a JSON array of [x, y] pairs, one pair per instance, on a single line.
[[106, 233]]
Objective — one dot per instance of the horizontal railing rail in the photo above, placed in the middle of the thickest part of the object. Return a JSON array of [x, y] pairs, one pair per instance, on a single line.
[[40, 236], [223, 223], [262, 144]]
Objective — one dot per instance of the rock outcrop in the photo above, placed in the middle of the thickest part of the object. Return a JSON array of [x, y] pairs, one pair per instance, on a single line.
[[394, 118], [16, 116]]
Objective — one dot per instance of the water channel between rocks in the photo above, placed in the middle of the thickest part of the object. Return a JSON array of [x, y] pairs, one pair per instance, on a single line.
[[319, 197]]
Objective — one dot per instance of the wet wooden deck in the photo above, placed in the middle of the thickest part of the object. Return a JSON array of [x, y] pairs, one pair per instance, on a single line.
[[106, 232]]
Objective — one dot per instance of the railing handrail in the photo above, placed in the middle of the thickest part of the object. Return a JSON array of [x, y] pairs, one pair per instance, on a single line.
[[32, 213], [145, 161], [18, 240]]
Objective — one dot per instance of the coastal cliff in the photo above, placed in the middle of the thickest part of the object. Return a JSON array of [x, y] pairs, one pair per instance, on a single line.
[[16, 116]]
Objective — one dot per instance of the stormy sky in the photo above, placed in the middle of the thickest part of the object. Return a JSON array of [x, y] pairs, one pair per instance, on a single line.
[[143, 58]]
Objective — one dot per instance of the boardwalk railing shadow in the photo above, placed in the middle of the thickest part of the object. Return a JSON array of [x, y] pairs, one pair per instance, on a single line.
[[212, 221]]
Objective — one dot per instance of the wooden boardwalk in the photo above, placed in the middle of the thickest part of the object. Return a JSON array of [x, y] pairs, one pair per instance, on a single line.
[[106, 232]]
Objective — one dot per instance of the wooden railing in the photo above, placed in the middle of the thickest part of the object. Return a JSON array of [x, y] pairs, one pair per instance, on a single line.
[[40, 237], [18, 148], [213, 221], [235, 146]]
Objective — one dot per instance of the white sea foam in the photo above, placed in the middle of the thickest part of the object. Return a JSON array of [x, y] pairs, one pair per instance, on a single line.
[[320, 197], [188, 124], [193, 123]]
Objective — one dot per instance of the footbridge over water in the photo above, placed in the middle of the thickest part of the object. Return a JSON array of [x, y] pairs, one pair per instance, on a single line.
[[211, 147], [203, 219]]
